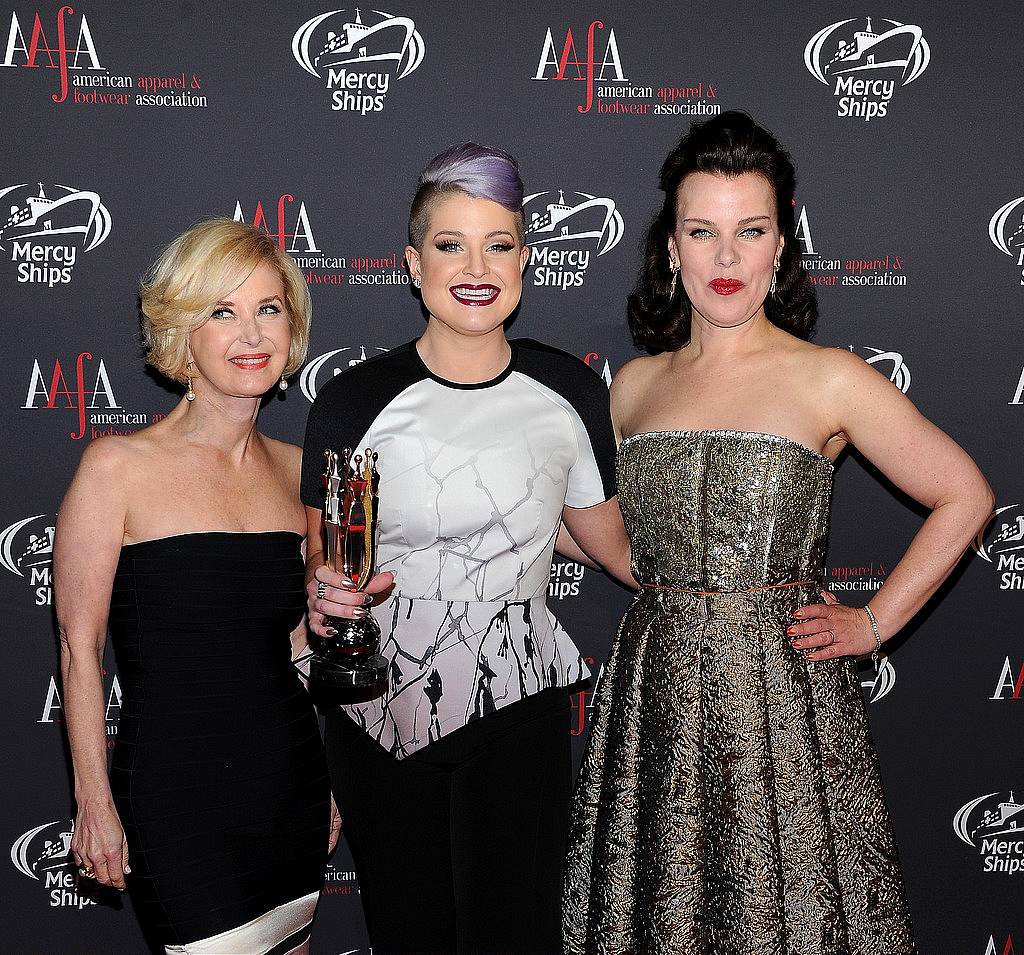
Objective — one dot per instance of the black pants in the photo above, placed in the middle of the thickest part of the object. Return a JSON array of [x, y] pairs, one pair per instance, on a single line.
[[460, 846]]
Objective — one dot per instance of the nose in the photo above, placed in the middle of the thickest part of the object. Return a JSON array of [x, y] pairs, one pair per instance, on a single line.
[[249, 332], [726, 254], [476, 265]]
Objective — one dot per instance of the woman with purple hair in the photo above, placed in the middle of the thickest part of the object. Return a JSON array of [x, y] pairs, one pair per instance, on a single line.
[[454, 785]]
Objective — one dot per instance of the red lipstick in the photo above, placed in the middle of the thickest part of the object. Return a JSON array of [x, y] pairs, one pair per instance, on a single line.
[[726, 286]]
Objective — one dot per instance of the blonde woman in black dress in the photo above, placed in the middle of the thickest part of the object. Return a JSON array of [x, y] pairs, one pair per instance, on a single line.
[[188, 536]]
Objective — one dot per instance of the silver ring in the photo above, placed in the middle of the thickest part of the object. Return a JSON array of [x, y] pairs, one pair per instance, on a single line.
[[321, 590]]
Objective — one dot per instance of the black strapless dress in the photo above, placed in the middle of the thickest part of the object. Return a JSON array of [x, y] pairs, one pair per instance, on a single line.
[[219, 772]]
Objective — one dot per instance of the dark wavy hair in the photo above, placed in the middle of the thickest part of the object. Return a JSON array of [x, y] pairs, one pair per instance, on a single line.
[[729, 144]]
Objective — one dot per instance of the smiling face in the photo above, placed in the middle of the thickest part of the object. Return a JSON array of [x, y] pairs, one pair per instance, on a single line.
[[726, 244], [242, 348], [471, 264]]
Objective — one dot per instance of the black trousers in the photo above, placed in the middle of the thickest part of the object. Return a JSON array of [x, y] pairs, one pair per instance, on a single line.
[[459, 847]]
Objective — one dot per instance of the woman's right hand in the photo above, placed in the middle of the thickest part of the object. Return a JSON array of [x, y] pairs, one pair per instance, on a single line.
[[329, 594], [99, 843]]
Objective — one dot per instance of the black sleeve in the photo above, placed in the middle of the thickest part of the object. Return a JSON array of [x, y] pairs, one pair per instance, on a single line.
[[346, 407], [582, 388]]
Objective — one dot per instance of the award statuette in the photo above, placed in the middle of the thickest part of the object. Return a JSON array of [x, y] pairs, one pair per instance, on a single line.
[[351, 660]]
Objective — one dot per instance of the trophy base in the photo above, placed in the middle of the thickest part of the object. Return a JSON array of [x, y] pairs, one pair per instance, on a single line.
[[330, 678]]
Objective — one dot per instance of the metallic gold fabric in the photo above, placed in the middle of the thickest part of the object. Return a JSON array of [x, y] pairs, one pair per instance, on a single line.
[[729, 801]]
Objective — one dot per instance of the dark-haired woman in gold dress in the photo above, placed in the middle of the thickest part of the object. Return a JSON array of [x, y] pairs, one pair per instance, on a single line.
[[729, 801]]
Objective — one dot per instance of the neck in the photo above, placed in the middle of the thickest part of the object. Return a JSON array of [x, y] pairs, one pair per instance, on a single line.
[[466, 359], [217, 422], [710, 342]]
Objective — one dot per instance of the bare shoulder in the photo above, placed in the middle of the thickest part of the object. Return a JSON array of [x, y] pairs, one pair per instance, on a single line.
[[110, 458], [636, 375], [829, 367]]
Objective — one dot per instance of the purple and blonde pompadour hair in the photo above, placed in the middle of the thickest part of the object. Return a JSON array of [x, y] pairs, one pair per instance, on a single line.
[[482, 172]]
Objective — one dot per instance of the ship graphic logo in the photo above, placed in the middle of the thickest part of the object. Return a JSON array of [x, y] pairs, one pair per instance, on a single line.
[[339, 359], [391, 42], [43, 849], [989, 817], [27, 557], [67, 212], [898, 372], [900, 46], [1006, 527], [588, 219], [999, 226], [879, 685]]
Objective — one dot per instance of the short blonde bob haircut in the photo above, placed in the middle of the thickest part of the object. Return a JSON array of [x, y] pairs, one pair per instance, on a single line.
[[201, 268]]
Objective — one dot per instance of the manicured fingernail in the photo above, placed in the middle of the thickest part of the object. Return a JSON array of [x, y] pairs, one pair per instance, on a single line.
[[359, 612], [791, 630], [798, 613], [347, 582], [330, 631]]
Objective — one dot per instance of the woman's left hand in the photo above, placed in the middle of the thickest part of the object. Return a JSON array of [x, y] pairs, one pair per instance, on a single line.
[[831, 629], [335, 826]]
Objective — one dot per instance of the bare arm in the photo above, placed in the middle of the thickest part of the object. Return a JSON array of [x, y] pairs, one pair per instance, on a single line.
[[90, 530], [926, 464], [599, 534], [568, 548]]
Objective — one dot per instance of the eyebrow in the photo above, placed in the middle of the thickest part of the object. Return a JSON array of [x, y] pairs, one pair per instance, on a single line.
[[262, 301], [461, 235], [746, 221]]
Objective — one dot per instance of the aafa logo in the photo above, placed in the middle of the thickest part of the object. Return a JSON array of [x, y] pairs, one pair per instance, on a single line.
[[311, 378], [564, 236], [357, 64], [1009, 242], [51, 391], [556, 66], [866, 66], [285, 230], [28, 55], [1000, 542], [44, 854], [44, 233], [26, 550], [995, 827]]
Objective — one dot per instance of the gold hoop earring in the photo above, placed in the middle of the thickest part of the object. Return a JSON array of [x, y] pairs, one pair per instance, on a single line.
[[190, 395]]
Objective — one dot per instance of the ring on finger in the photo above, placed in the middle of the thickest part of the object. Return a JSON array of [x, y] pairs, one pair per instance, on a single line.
[[321, 590], [86, 871], [831, 638]]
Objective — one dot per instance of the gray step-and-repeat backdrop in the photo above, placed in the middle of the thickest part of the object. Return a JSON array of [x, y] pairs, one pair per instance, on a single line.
[[125, 123]]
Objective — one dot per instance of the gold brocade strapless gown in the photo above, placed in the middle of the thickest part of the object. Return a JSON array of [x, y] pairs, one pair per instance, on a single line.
[[729, 801]]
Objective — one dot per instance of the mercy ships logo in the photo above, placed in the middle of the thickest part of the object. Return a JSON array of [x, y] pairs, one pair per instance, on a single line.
[[1001, 543], [357, 64], [995, 827], [44, 233], [866, 66], [26, 550], [566, 234], [44, 854]]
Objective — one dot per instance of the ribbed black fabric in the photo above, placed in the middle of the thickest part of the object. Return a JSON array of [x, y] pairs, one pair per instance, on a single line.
[[219, 772]]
